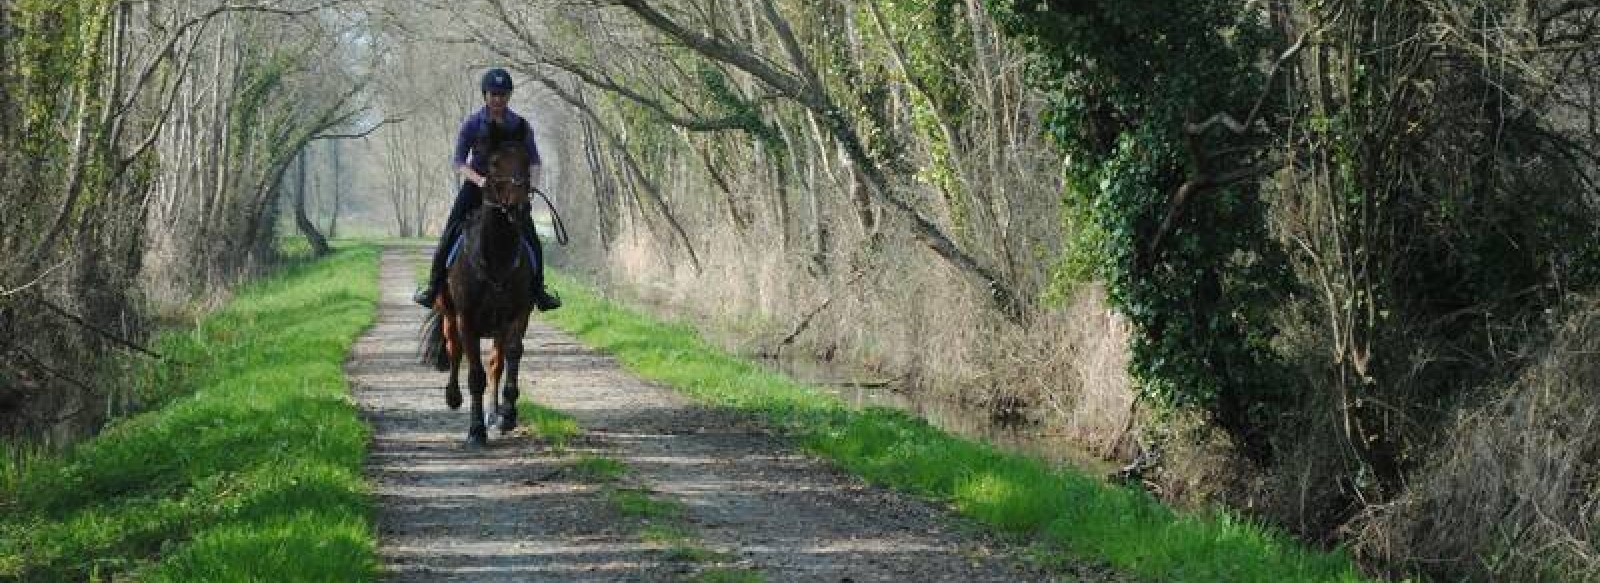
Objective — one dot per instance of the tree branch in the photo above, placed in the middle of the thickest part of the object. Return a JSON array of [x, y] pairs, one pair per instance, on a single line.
[[688, 122], [812, 96], [75, 319], [1175, 205], [357, 135], [627, 158]]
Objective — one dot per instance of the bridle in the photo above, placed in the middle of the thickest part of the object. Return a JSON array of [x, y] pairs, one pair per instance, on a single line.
[[509, 211]]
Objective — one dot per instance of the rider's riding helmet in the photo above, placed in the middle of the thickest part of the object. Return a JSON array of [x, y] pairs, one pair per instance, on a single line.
[[496, 80]]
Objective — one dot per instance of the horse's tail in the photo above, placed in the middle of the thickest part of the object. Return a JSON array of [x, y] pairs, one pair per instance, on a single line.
[[431, 350]]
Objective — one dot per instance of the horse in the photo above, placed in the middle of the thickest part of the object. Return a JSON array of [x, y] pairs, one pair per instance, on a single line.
[[487, 294]]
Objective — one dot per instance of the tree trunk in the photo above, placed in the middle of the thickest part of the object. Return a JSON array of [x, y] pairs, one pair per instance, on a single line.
[[319, 244], [336, 188]]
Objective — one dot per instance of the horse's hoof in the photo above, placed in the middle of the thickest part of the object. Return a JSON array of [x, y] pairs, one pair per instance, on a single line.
[[477, 436], [508, 418], [452, 397]]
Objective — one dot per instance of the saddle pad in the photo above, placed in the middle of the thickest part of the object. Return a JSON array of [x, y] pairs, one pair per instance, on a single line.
[[455, 249]]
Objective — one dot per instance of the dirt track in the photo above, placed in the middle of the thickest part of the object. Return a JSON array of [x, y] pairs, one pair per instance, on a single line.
[[517, 511]]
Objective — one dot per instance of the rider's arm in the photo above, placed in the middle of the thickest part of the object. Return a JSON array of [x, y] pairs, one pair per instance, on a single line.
[[466, 171], [464, 139]]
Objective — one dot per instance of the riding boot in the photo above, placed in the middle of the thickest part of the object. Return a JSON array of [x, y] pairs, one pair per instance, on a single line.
[[437, 272], [542, 298], [469, 197]]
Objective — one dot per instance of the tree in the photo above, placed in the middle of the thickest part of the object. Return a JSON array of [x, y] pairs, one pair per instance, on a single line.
[[796, 82]]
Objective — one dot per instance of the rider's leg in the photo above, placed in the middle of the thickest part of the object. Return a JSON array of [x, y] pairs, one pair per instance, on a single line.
[[542, 298], [469, 197]]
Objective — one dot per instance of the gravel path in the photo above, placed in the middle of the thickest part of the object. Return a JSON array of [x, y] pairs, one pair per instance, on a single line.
[[518, 511]]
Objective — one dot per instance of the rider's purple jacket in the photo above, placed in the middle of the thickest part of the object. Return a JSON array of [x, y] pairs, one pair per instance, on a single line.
[[477, 125]]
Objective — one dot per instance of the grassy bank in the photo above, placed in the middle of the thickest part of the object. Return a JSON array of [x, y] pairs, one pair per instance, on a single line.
[[1071, 514], [250, 471]]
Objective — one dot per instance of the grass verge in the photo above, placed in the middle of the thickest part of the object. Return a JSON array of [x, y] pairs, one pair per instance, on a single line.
[[1072, 514], [250, 471]]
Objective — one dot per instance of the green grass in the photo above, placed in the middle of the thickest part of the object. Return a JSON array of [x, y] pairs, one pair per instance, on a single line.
[[727, 575], [599, 469], [1070, 513], [666, 534], [553, 426], [250, 469], [638, 503], [692, 551], [679, 540]]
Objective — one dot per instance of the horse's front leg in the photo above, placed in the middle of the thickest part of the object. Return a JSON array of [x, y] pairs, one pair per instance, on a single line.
[[477, 432], [497, 361], [453, 346], [512, 357]]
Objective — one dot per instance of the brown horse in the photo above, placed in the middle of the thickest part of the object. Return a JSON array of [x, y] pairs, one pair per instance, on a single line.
[[487, 294]]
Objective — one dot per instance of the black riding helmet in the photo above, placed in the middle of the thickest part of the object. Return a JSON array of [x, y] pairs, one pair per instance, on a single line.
[[496, 80]]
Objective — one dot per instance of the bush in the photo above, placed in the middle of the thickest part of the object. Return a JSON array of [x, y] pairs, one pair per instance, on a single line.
[[1512, 495]]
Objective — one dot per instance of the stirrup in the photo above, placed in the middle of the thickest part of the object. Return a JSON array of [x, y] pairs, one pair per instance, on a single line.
[[424, 295]]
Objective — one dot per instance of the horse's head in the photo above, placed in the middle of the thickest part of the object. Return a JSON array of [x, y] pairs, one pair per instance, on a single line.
[[507, 184]]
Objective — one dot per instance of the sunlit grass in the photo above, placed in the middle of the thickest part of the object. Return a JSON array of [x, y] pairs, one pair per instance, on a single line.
[[554, 427], [251, 470], [666, 534], [682, 545], [1070, 513]]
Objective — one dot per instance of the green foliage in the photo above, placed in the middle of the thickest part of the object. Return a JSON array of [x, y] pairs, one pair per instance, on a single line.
[[936, 44], [733, 105], [252, 472], [1079, 261], [58, 77], [261, 75], [59, 59], [1123, 80], [936, 40], [1072, 514], [859, 87]]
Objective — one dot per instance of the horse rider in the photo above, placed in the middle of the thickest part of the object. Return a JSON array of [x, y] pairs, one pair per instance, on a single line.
[[472, 165]]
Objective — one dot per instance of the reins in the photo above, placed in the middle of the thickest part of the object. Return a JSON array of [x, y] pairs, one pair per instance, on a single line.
[[561, 227], [510, 212]]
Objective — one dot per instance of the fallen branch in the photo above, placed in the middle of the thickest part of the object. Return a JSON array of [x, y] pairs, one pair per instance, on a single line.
[[805, 322], [75, 319], [10, 292]]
